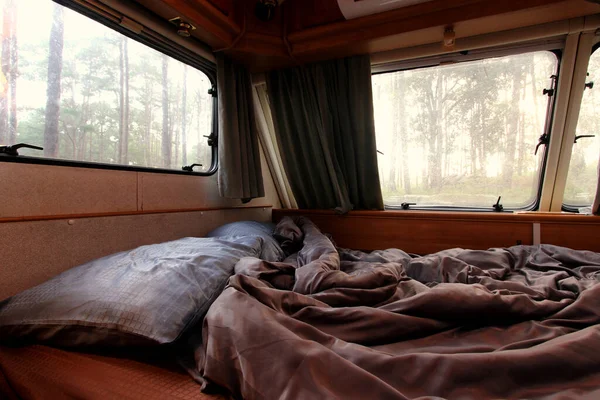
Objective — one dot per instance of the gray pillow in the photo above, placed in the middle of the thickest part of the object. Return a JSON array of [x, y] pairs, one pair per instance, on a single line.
[[271, 250], [149, 295]]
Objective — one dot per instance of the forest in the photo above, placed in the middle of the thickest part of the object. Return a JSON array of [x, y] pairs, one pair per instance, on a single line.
[[464, 134], [87, 93]]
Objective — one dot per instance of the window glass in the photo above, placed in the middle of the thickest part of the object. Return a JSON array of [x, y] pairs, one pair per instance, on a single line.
[[84, 92], [460, 135], [583, 169]]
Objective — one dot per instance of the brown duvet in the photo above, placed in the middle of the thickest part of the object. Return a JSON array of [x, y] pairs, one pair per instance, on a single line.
[[520, 322]]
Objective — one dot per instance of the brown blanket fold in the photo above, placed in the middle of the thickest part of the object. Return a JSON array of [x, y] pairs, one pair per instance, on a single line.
[[505, 323]]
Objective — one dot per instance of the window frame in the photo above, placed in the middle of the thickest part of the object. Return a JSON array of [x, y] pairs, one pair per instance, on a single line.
[[173, 50], [551, 46], [570, 207]]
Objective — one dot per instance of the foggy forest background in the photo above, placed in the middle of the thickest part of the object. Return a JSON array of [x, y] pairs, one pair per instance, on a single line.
[[85, 92], [464, 134]]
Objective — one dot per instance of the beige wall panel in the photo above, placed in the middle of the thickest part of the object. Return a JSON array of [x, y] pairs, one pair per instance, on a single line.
[[33, 252], [166, 192], [42, 190]]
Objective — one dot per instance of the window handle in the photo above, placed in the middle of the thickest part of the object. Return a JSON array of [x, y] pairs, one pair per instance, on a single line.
[[549, 92], [406, 206], [583, 136], [13, 149], [211, 139], [543, 140], [498, 207], [190, 168], [589, 85]]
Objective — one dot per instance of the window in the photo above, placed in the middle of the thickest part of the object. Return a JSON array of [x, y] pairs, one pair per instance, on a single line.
[[87, 93], [583, 169], [463, 134]]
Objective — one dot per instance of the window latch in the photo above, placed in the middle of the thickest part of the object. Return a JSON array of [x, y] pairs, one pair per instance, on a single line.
[[583, 136], [498, 207], [212, 139], [13, 150], [406, 206], [589, 85], [550, 92], [190, 168], [542, 141], [213, 91]]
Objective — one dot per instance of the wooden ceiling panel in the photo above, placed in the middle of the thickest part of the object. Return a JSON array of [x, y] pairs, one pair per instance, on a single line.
[[312, 30], [304, 14], [420, 16], [225, 6]]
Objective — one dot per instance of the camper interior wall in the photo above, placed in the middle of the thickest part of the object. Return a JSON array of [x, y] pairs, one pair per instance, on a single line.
[[53, 218]]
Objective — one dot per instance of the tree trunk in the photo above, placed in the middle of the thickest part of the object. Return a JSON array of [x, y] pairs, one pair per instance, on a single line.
[[435, 146], [124, 102], [199, 109], [53, 92], [7, 135], [512, 130], [401, 88], [13, 73], [166, 136], [393, 151], [184, 118]]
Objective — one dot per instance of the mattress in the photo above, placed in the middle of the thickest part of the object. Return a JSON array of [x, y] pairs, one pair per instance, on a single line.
[[41, 372]]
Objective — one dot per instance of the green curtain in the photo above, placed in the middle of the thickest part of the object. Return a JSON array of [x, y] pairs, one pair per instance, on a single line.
[[325, 127], [240, 175]]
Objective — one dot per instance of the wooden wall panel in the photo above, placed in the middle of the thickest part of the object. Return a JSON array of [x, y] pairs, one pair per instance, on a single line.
[[33, 252], [573, 235], [429, 232]]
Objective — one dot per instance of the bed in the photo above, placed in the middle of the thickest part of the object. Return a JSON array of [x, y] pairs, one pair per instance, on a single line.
[[309, 320], [43, 372]]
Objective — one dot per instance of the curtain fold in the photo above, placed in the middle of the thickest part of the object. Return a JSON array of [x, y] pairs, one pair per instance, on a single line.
[[596, 204], [324, 122], [268, 142], [240, 175]]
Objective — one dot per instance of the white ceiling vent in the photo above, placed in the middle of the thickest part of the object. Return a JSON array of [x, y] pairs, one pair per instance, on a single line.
[[359, 8]]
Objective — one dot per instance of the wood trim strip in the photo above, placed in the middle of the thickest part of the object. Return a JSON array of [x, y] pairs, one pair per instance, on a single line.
[[120, 214], [449, 216]]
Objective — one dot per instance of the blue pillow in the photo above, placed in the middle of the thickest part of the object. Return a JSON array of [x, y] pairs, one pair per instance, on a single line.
[[271, 250], [149, 295]]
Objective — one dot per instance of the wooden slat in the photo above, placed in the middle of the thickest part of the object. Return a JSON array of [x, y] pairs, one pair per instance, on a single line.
[[428, 232], [121, 214]]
